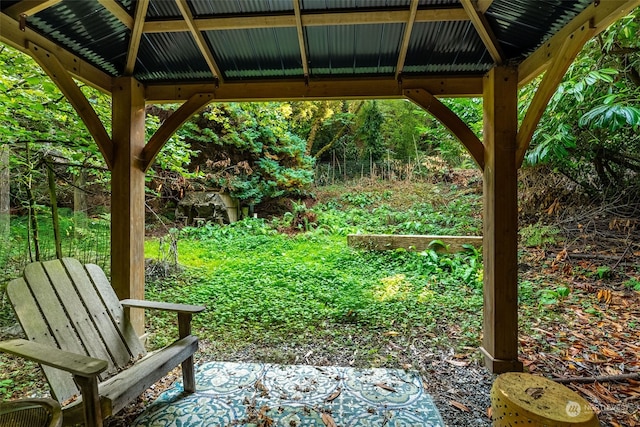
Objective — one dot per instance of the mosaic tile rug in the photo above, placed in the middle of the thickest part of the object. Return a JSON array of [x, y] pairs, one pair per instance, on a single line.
[[263, 395]]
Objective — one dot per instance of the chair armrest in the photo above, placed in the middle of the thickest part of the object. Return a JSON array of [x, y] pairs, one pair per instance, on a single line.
[[178, 308], [77, 364]]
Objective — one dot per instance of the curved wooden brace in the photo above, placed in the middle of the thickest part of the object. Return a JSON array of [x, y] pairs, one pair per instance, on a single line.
[[59, 75], [552, 78], [450, 120], [168, 128]]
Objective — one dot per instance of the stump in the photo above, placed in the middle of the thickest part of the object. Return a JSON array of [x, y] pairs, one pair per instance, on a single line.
[[525, 399]]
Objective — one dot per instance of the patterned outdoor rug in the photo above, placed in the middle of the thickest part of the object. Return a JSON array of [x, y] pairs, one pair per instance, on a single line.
[[248, 394]]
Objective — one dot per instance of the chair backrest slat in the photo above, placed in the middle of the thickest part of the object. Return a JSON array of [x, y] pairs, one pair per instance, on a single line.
[[116, 311], [74, 308], [36, 327], [103, 323]]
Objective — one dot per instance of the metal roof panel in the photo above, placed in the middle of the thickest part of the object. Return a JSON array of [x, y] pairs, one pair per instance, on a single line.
[[258, 52], [521, 26], [353, 49], [170, 57], [86, 29], [437, 47]]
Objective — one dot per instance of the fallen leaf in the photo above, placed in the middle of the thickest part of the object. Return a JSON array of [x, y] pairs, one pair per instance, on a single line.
[[334, 395], [391, 333], [535, 392], [460, 363], [459, 405], [328, 420], [386, 387]]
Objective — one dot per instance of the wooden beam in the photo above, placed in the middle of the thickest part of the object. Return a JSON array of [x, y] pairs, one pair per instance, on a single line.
[[552, 78], [127, 195], [308, 20], [500, 221], [29, 7], [301, 43], [483, 5], [136, 35], [282, 90], [451, 121], [598, 15], [76, 98], [406, 37], [11, 35], [185, 10], [170, 125], [484, 30], [119, 12], [385, 242]]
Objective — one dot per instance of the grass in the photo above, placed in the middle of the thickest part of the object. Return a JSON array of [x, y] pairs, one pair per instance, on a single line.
[[260, 286], [268, 288]]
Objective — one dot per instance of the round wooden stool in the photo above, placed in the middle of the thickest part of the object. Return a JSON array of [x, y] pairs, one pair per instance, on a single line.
[[524, 399]]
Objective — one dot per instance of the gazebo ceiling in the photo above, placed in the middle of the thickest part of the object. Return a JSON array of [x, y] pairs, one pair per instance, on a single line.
[[212, 43]]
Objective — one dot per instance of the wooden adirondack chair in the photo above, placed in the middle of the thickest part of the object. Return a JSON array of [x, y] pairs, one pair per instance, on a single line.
[[90, 354]]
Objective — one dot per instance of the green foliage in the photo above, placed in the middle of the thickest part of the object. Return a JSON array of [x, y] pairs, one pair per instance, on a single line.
[[539, 235], [261, 285], [633, 283], [251, 151], [590, 130], [554, 296], [371, 142], [604, 272]]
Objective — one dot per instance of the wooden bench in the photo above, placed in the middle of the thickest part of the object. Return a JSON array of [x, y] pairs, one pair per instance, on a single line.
[[78, 332]]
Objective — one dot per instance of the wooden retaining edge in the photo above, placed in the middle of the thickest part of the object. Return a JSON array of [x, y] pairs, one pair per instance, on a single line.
[[412, 242]]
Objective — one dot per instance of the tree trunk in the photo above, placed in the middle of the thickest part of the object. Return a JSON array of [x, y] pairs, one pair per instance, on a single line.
[[33, 217], [54, 208], [5, 204], [80, 200]]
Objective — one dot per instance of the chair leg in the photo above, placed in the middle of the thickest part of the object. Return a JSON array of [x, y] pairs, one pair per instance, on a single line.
[[188, 375], [90, 400]]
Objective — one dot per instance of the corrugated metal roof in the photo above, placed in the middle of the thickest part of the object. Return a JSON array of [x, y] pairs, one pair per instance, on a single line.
[[86, 29], [351, 4], [90, 31], [258, 52], [163, 9], [217, 7], [353, 49], [170, 57], [438, 47], [521, 26]]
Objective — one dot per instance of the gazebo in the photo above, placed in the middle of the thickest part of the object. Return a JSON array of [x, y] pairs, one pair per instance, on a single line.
[[199, 51]]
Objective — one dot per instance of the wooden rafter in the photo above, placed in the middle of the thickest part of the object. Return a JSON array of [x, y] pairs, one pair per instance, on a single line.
[[484, 30], [281, 90], [170, 125], [598, 17], [308, 20], [116, 10], [29, 7], [56, 71], [11, 34], [300, 30], [483, 5], [136, 35], [199, 38], [451, 121], [552, 78], [406, 37]]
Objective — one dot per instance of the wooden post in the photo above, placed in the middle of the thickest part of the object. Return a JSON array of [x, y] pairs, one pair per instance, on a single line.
[[500, 243], [127, 194]]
